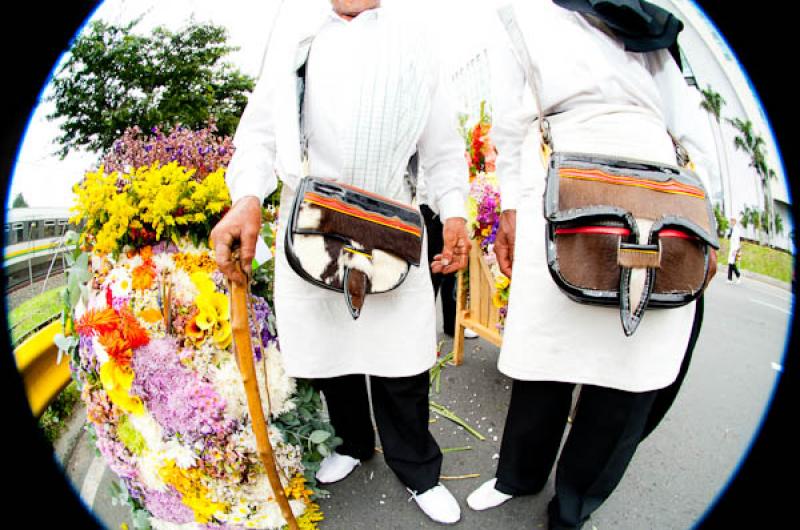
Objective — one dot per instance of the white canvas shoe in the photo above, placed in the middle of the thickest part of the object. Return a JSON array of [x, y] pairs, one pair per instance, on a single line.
[[486, 496], [335, 467], [469, 334], [438, 504]]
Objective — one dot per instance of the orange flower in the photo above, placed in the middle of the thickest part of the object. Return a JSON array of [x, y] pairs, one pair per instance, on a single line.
[[132, 331], [193, 331], [151, 315], [146, 252], [99, 322], [117, 347], [143, 276]]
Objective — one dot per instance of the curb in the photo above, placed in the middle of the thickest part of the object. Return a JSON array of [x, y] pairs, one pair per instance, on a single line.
[[65, 445], [767, 279]]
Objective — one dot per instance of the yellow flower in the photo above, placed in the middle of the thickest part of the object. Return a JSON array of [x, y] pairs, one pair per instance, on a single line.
[[310, 517], [213, 310], [194, 493], [498, 300], [501, 281], [117, 381]]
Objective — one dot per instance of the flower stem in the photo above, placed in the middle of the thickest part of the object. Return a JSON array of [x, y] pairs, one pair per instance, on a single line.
[[448, 414]]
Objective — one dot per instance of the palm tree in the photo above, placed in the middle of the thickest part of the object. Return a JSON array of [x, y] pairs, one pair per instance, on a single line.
[[712, 103], [753, 144]]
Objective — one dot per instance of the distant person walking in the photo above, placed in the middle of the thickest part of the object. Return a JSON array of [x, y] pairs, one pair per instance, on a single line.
[[735, 252]]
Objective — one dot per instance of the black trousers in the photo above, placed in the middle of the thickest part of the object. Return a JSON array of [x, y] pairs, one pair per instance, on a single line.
[[733, 269], [444, 282], [400, 406], [607, 428]]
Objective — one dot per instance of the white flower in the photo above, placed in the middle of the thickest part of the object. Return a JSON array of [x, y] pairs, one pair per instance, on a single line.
[[150, 430], [227, 382], [150, 463], [100, 352], [281, 386], [160, 524], [134, 262], [120, 281], [183, 288], [183, 456], [164, 263]]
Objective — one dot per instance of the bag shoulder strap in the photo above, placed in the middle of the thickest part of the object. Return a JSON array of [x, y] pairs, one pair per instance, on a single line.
[[520, 50]]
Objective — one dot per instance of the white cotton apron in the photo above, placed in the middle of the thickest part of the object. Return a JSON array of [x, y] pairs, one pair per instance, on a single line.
[[547, 335], [395, 335]]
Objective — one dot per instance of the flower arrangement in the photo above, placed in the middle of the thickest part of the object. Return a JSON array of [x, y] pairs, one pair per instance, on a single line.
[[203, 150], [148, 330], [483, 205], [481, 152]]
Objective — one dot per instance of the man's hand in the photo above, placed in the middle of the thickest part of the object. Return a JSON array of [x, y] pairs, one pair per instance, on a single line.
[[506, 238], [455, 250], [241, 224]]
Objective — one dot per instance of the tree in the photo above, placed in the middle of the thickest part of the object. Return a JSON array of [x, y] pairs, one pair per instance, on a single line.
[[19, 202], [753, 144], [712, 103], [114, 79]]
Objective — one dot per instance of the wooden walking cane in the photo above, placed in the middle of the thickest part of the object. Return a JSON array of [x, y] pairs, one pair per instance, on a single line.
[[244, 358]]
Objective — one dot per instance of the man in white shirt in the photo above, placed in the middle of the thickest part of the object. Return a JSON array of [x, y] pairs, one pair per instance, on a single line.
[[370, 96], [734, 252]]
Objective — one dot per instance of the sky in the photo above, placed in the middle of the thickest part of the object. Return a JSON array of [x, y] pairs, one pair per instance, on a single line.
[[46, 180]]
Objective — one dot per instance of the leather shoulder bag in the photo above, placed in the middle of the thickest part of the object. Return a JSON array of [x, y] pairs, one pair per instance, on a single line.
[[624, 232]]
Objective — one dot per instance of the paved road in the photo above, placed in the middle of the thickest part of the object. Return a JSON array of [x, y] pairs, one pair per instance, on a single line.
[[675, 476]]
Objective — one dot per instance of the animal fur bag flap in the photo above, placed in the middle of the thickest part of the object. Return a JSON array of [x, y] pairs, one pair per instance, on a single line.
[[351, 241], [627, 232]]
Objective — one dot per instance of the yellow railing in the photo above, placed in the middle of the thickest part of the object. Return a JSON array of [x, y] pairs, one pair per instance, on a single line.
[[43, 376]]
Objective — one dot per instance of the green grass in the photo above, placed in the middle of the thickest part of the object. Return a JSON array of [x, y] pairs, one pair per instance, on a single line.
[[762, 260], [53, 420], [32, 313]]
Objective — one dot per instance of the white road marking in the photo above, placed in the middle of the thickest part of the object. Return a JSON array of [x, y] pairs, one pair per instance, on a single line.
[[781, 309], [91, 482]]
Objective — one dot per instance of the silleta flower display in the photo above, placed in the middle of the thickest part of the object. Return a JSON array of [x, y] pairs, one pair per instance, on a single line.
[[151, 349], [483, 205]]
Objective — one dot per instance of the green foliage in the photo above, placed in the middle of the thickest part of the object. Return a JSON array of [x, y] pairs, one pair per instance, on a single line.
[[723, 225], [140, 517], [778, 220], [114, 79], [305, 426], [19, 202], [31, 314], [54, 416], [760, 259], [712, 102]]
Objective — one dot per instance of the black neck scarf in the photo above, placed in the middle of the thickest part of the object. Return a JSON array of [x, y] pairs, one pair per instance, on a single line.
[[640, 25]]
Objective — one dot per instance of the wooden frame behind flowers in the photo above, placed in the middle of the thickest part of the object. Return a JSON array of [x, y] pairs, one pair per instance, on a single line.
[[475, 309]]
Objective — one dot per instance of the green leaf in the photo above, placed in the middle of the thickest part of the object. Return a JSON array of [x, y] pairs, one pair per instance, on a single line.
[[320, 436]]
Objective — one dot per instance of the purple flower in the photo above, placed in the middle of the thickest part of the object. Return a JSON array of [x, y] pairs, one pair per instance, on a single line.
[[117, 456], [178, 398], [167, 505], [259, 325]]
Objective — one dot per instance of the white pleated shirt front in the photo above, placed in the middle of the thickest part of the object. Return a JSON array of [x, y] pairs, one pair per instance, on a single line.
[[363, 135]]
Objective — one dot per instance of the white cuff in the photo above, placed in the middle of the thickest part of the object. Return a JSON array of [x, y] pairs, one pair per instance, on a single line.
[[509, 195], [451, 204]]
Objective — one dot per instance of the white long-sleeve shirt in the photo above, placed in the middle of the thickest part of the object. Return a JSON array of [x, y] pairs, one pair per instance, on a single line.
[[368, 105], [599, 99], [363, 116]]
